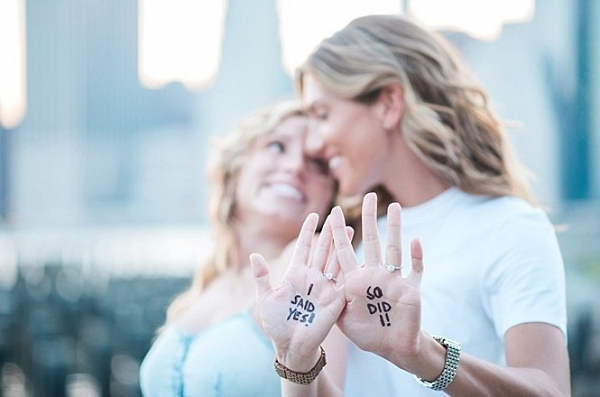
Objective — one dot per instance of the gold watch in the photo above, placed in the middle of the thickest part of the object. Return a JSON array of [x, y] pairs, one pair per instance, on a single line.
[[303, 378]]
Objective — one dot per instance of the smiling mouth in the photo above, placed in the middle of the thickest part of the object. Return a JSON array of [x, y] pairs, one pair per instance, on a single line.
[[334, 162], [289, 191]]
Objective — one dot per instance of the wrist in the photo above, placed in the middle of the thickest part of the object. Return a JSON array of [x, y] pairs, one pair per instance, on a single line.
[[301, 377], [298, 361], [429, 363], [450, 368], [424, 358]]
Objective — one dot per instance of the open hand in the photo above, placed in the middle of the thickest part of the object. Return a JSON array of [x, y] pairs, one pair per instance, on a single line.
[[298, 314], [383, 308]]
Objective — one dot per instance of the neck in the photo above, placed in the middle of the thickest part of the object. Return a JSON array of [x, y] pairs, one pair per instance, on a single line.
[[408, 180], [252, 239]]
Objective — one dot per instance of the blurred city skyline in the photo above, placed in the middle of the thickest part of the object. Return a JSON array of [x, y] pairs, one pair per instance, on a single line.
[[103, 195], [97, 147]]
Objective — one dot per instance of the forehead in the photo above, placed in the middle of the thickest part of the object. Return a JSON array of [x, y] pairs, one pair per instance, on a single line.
[[290, 128], [315, 96], [293, 127], [313, 92]]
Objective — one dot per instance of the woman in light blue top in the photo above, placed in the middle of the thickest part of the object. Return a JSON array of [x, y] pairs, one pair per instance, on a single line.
[[263, 186]]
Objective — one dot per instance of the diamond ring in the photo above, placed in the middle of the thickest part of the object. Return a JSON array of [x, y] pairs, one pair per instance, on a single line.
[[329, 276], [391, 268]]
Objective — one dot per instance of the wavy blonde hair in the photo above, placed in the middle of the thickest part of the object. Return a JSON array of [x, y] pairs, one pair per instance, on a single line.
[[447, 120], [228, 156]]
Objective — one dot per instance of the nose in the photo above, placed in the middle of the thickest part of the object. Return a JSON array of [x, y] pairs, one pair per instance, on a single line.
[[295, 160], [313, 143]]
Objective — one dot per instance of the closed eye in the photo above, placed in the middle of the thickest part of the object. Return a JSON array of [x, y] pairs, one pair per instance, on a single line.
[[318, 113], [321, 116]]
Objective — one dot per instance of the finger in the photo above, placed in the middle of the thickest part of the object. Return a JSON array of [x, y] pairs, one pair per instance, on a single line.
[[343, 248], [416, 253], [350, 232], [301, 253], [393, 252], [370, 233], [334, 266], [323, 247], [260, 271]]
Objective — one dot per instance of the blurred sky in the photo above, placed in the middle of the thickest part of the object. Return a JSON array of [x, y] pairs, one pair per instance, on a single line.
[[107, 108]]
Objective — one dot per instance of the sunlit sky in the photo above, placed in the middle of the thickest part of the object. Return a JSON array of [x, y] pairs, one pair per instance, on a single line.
[[12, 62], [180, 40], [480, 19], [303, 24]]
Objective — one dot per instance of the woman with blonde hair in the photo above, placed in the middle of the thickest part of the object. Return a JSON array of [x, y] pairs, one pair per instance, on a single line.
[[393, 106], [263, 185]]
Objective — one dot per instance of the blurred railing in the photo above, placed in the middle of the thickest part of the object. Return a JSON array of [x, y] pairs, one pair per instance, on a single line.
[[79, 309]]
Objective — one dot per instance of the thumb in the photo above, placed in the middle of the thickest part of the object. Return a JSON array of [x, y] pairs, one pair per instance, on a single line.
[[260, 271]]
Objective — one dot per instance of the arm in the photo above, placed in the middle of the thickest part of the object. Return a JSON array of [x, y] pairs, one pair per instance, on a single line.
[[537, 365], [537, 361], [298, 314], [160, 372], [330, 382]]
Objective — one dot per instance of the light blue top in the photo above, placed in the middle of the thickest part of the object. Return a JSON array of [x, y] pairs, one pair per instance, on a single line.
[[231, 358]]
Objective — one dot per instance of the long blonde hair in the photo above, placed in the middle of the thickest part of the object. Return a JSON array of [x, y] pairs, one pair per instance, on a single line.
[[447, 120], [228, 157]]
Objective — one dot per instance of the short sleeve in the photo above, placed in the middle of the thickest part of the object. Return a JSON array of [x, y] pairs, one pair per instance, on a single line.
[[526, 282]]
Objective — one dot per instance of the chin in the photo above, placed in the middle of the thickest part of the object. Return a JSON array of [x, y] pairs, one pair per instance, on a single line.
[[355, 189], [349, 192], [283, 217]]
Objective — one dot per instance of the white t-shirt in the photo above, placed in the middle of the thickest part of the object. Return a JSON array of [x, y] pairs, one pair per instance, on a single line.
[[490, 264]]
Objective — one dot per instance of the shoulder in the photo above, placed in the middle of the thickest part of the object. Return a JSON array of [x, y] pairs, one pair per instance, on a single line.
[[162, 361], [506, 215], [518, 221]]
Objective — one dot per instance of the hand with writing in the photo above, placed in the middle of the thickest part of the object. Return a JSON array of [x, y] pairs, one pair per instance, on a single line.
[[383, 308], [298, 314]]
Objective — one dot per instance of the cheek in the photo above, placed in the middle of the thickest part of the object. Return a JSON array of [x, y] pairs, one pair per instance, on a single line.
[[338, 130], [347, 132]]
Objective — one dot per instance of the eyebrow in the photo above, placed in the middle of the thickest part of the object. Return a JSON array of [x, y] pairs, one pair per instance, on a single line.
[[283, 134]]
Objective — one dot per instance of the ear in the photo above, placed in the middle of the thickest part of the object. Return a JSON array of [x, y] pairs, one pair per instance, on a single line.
[[391, 106]]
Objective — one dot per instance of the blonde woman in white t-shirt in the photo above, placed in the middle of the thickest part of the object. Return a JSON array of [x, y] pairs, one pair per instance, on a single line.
[[393, 107]]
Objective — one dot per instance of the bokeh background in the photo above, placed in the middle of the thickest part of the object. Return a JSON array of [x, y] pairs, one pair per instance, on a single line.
[[107, 111]]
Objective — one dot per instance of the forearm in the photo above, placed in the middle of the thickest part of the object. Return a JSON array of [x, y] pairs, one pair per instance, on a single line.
[[546, 377], [478, 377], [322, 386]]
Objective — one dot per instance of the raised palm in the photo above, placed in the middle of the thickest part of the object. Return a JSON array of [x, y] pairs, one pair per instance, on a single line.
[[383, 308], [298, 314]]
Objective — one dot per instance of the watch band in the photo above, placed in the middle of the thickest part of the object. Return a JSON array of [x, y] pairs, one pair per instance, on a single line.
[[303, 378], [450, 366]]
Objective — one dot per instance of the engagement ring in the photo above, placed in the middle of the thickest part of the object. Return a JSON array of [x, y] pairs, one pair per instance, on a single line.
[[329, 276], [391, 268]]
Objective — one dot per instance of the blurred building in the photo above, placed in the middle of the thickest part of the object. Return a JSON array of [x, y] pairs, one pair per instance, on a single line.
[[96, 147], [104, 179]]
